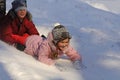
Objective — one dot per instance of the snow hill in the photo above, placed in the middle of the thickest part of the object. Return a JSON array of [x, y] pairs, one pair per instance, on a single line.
[[95, 35]]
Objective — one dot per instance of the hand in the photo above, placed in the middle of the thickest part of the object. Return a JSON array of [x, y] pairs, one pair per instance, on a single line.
[[20, 47]]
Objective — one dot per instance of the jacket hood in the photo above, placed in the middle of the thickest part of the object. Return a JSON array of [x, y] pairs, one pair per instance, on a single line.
[[13, 15], [50, 40]]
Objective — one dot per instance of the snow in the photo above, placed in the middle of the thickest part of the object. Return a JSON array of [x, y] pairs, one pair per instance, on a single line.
[[94, 26], [108, 5]]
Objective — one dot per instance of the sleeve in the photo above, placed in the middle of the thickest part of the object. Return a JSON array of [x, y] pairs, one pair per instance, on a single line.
[[73, 54], [44, 52], [6, 32], [20, 39]]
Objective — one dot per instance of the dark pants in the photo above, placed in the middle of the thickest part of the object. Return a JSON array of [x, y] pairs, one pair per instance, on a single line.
[[2, 8], [2, 12]]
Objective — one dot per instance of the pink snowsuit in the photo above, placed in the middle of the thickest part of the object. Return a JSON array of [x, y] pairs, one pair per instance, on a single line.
[[44, 48]]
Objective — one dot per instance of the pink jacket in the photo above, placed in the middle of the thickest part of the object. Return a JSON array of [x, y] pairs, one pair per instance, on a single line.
[[44, 49]]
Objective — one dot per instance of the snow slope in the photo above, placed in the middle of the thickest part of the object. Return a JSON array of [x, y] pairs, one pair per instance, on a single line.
[[95, 34], [16, 65], [108, 5]]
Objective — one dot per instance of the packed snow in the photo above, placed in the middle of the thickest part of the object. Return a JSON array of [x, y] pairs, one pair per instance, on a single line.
[[95, 35]]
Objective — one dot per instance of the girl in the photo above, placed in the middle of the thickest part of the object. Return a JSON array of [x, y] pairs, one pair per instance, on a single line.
[[48, 49]]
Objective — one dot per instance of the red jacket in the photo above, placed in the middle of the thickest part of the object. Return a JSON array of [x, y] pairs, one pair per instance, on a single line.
[[12, 25]]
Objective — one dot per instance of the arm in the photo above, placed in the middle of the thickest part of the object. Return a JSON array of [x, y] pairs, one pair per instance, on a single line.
[[73, 54], [20, 39], [6, 32]]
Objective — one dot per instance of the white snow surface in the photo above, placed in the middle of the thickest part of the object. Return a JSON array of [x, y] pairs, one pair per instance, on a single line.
[[95, 35]]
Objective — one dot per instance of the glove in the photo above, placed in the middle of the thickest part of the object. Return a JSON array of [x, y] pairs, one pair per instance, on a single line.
[[20, 39], [78, 65], [20, 47]]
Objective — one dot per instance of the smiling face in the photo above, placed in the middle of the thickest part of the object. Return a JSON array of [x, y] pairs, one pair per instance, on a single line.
[[21, 13], [62, 45]]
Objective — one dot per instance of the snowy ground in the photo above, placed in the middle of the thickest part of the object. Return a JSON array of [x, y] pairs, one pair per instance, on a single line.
[[109, 5], [95, 31]]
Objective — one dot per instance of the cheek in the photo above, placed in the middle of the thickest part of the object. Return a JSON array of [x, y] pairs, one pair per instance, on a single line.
[[60, 44], [63, 45], [21, 14]]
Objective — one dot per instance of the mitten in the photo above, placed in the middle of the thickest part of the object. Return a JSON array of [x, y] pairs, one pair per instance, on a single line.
[[20, 47]]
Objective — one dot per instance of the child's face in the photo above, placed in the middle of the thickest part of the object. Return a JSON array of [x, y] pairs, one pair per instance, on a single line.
[[62, 45], [21, 13]]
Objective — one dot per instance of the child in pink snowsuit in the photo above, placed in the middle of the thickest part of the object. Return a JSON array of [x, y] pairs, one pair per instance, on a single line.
[[55, 45]]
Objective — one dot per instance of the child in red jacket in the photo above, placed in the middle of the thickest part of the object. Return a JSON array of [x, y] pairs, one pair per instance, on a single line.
[[18, 21]]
